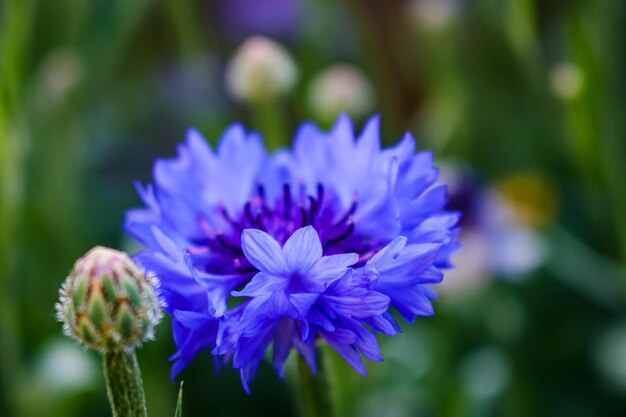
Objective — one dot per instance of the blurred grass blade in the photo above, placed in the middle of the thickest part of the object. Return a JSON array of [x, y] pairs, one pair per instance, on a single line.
[[573, 263], [179, 404]]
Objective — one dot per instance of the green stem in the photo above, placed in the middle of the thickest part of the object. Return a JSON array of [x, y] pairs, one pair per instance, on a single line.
[[269, 118], [315, 392], [124, 384]]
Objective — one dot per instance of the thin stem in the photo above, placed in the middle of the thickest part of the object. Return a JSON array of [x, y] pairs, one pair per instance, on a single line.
[[124, 384], [270, 120], [315, 393]]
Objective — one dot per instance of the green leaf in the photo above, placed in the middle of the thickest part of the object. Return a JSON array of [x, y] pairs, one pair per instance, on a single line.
[[179, 404]]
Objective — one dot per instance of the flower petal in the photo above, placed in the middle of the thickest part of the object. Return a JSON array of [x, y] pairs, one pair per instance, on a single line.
[[192, 333], [342, 342], [303, 302], [282, 345], [359, 304], [261, 284], [307, 349], [263, 252], [303, 249], [332, 266]]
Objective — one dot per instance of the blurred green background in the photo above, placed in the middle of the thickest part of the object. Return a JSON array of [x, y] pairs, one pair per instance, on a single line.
[[523, 101]]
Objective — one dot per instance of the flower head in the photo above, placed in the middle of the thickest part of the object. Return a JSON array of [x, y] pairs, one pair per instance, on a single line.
[[108, 303], [260, 70], [322, 241]]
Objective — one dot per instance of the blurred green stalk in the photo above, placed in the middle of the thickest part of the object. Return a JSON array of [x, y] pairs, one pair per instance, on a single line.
[[186, 27], [572, 262], [597, 143], [15, 32], [315, 389], [271, 122]]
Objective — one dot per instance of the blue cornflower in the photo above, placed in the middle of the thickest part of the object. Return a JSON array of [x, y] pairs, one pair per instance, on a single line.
[[322, 241]]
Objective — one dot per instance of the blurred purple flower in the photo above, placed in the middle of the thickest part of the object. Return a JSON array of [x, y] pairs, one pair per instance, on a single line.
[[256, 249], [496, 241], [242, 18], [189, 88]]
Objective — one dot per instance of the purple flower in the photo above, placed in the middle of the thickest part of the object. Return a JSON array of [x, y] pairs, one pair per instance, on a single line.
[[323, 241], [241, 18]]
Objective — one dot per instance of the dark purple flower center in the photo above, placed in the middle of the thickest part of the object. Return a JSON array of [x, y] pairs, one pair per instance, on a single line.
[[280, 217]]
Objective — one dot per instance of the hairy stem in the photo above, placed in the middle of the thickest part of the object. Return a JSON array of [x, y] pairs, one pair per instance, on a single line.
[[124, 384]]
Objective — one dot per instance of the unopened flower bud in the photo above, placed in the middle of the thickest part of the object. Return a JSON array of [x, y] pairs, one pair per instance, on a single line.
[[108, 303], [260, 70], [567, 80], [341, 89], [433, 14], [61, 71]]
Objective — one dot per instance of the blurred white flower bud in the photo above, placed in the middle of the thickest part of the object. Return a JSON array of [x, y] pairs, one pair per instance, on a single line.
[[433, 14], [260, 70], [567, 80], [62, 367], [61, 70], [341, 88]]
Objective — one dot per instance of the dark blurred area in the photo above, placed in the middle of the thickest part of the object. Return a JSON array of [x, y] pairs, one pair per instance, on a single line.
[[523, 102]]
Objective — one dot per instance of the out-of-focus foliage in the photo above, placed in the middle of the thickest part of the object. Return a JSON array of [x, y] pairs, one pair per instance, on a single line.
[[523, 102]]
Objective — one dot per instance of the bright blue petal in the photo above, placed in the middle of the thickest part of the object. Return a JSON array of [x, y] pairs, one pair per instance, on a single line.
[[332, 266], [261, 284], [343, 342], [358, 303], [262, 251], [192, 333], [282, 345], [302, 250]]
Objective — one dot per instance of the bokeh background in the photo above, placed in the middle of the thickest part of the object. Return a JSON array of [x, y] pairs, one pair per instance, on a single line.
[[523, 101]]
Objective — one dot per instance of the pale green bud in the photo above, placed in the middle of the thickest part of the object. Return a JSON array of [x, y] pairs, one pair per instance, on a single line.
[[341, 88], [433, 15], [567, 80], [260, 70], [108, 303]]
